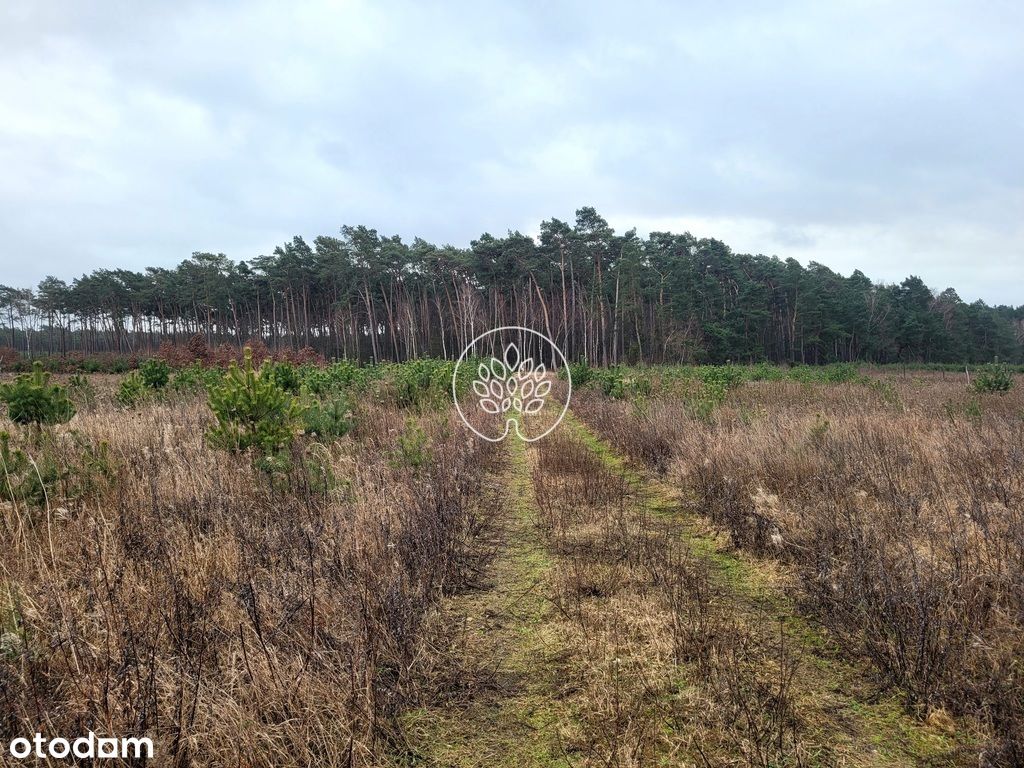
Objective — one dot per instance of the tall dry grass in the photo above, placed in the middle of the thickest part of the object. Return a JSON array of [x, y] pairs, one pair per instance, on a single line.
[[234, 615], [662, 667], [899, 505]]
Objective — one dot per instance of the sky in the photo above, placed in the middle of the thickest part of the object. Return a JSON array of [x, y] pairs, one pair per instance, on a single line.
[[885, 137]]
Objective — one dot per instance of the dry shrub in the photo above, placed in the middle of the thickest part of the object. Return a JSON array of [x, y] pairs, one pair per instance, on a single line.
[[904, 525], [224, 354], [647, 431], [304, 356], [657, 669], [234, 616], [175, 355], [198, 348], [9, 356]]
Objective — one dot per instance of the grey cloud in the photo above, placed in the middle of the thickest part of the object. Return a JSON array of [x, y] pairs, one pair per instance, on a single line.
[[136, 135]]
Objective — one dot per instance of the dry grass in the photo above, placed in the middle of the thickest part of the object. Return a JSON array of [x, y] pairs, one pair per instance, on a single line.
[[365, 602], [234, 615], [663, 664], [900, 507]]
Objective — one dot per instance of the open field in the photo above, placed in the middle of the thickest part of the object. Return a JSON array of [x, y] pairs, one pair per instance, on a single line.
[[700, 566]]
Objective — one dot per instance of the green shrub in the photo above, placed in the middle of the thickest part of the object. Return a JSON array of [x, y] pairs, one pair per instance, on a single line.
[[839, 373], [702, 404], [833, 373], [69, 477], [420, 383], [766, 372], [325, 419], [819, 430], [719, 380], [16, 469], [81, 388], [155, 373], [31, 399], [194, 377], [640, 385], [13, 634], [994, 377], [132, 390], [621, 383], [253, 410], [581, 373], [971, 410], [336, 377], [609, 381], [886, 390], [285, 375]]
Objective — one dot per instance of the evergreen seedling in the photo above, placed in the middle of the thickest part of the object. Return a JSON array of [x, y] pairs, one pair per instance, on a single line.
[[31, 399], [253, 410]]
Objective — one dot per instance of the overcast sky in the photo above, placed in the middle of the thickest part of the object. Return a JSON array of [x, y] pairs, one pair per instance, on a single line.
[[884, 137]]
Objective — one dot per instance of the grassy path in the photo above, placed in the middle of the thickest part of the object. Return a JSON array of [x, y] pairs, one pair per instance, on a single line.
[[581, 644], [845, 719], [505, 708]]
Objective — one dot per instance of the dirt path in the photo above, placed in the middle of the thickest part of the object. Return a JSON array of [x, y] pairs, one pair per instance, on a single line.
[[503, 691], [614, 628], [845, 718]]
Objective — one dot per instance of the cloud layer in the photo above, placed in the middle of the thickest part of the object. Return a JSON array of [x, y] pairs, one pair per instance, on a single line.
[[884, 137]]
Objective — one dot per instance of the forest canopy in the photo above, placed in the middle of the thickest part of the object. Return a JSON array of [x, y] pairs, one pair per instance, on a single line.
[[605, 297]]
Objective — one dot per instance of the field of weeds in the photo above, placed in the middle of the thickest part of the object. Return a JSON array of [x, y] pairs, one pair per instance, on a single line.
[[703, 566], [894, 503]]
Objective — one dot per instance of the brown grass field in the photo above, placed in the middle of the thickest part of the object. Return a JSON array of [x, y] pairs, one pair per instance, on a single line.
[[807, 575]]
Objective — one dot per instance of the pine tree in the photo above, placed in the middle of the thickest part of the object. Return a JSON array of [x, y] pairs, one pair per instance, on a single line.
[[31, 399], [253, 410]]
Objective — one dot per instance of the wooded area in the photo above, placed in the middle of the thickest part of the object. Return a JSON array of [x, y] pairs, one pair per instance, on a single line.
[[604, 297]]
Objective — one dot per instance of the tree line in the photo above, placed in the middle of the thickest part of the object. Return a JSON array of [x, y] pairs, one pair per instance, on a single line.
[[604, 297]]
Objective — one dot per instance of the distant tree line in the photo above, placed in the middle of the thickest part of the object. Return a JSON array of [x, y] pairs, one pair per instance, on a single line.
[[604, 297]]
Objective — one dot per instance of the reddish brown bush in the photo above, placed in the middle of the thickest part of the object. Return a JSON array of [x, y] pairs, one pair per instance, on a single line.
[[175, 355], [260, 351], [305, 356], [224, 354], [198, 349]]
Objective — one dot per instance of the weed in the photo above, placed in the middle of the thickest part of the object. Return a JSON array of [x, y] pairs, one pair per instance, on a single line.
[[31, 399]]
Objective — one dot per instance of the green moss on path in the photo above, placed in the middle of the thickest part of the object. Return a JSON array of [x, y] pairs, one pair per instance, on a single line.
[[515, 719], [508, 700]]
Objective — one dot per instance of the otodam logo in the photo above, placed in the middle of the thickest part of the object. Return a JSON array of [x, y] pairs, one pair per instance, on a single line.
[[90, 747], [514, 382]]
